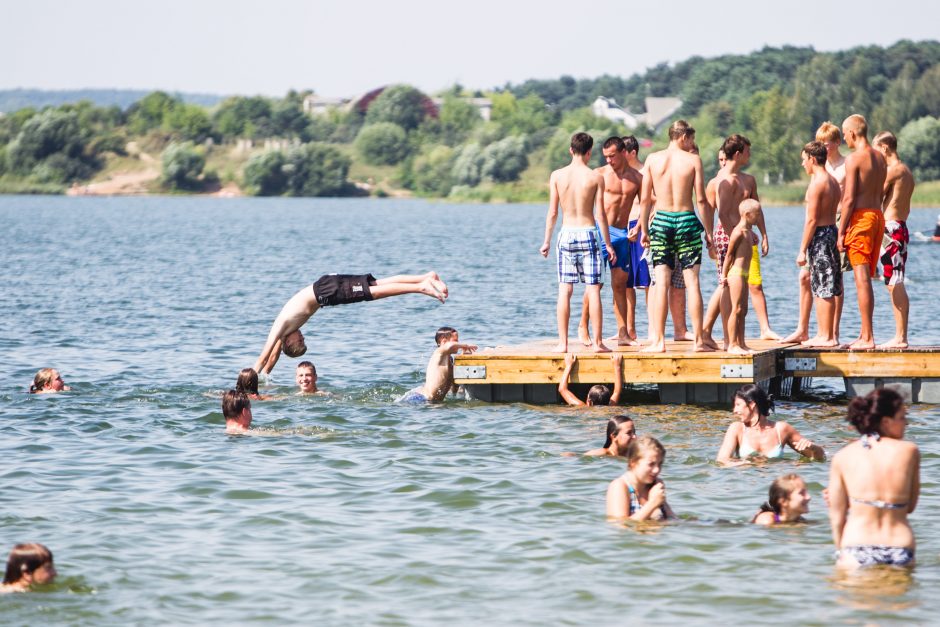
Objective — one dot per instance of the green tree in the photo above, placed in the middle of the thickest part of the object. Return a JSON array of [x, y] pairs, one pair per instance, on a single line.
[[239, 117], [188, 122], [898, 106], [316, 169], [520, 116], [264, 174], [149, 112], [431, 171], [182, 166], [382, 143], [399, 104], [467, 165], [504, 161], [457, 118], [919, 146], [927, 92], [47, 134]]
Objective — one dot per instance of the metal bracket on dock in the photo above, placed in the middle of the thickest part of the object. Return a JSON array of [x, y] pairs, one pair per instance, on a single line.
[[737, 371], [807, 364], [469, 372]]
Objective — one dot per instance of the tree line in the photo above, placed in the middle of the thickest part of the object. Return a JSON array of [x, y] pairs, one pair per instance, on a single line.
[[776, 96]]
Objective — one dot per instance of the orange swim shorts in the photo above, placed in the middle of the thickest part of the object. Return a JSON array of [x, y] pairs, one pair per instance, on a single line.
[[863, 237]]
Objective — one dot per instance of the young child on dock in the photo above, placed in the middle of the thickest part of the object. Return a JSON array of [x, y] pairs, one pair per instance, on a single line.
[[621, 432], [598, 394], [639, 493], [28, 565], [787, 501], [734, 274], [48, 381], [236, 408], [439, 377]]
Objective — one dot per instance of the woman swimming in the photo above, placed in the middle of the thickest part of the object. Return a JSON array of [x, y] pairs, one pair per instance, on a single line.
[[878, 478], [754, 434], [639, 493], [621, 431], [248, 383], [787, 501], [28, 564], [47, 381]]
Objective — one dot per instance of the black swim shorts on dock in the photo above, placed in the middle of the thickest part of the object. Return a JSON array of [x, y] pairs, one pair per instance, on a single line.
[[342, 289]]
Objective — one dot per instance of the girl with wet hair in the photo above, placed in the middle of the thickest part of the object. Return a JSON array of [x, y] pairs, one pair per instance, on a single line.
[[248, 384], [787, 501], [28, 565], [46, 381], [639, 493], [621, 431], [754, 434], [878, 478]]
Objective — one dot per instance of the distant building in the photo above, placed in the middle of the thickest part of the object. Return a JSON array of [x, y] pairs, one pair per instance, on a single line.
[[658, 112], [609, 109], [318, 105]]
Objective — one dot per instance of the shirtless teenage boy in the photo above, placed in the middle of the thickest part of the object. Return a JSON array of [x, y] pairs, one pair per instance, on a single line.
[[675, 233], [439, 376], [862, 226], [306, 378], [336, 289], [818, 251], [732, 276], [580, 192], [899, 187], [621, 186]]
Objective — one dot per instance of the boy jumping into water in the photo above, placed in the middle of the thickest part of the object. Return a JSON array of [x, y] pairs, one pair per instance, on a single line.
[[580, 192], [439, 378], [336, 289]]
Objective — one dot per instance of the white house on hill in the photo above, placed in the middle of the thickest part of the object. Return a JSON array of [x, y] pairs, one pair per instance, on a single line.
[[658, 112], [608, 108]]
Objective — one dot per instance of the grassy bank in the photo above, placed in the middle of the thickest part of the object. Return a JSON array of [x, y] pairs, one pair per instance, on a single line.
[[11, 185]]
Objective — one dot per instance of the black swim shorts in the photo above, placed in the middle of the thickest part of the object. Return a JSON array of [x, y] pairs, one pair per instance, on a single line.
[[342, 289]]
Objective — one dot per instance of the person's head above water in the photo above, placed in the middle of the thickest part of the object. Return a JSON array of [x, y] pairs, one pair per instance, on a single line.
[[787, 499], [446, 334], [47, 380], [645, 457], [293, 344], [306, 377], [752, 398], [29, 564], [869, 414], [236, 408], [247, 381], [598, 395], [622, 430]]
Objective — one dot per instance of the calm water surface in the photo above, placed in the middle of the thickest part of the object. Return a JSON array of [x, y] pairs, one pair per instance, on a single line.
[[354, 510]]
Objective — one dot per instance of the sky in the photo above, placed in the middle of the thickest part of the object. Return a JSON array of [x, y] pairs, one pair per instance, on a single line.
[[343, 48]]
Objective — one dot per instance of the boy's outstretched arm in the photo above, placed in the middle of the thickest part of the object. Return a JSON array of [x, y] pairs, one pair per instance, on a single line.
[[563, 390], [617, 360]]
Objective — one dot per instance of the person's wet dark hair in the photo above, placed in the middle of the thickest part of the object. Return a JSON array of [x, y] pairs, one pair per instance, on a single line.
[[599, 395], [247, 381], [234, 403], [751, 393], [616, 142], [866, 412], [26, 559], [630, 144], [816, 150], [443, 333], [613, 426], [581, 143]]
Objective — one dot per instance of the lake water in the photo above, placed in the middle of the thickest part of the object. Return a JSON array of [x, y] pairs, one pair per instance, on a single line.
[[356, 510]]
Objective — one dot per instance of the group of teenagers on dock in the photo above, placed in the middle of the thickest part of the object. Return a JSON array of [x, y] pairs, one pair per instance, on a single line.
[[630, 216]]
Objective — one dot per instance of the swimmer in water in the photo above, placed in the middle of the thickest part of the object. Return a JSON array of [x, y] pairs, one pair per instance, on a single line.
[[28, 565], [598, 394], [48, 381], [639, 493], [621, 432], [787, 501], [336, 289], [236, 408], [248, 383], [439, 377], [306, 378]]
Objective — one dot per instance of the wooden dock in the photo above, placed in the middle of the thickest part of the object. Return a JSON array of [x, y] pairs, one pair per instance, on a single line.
[[530, 372]]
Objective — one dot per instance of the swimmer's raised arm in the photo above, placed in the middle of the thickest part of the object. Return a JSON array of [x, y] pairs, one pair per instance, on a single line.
[[617, 359], [563, 390]]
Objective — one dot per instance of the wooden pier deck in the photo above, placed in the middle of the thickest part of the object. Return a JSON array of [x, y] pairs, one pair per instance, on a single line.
[[530, 372]]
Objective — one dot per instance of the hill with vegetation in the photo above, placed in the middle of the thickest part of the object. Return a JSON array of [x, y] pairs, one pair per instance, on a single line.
[[397, 142]]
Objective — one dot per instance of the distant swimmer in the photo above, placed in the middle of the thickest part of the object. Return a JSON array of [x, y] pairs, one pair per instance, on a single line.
[[675, 234], [899, 187], [877, 477], [236, 408], [439, 377], [787, 501], [621, 432], [48, 381], [306, 378], [336, 289], [639, 493], [579, 191], [818, 252], [598, 394], [862, 224], [753, 434], [28, 565], [247, 382]]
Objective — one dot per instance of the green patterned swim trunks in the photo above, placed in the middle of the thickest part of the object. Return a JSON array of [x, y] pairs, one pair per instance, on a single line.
[[676, 235]]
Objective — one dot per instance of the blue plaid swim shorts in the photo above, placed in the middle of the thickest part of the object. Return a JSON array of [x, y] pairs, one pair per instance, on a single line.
[[580, 259]]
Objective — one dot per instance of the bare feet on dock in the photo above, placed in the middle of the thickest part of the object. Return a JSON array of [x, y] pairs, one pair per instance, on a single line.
[[894, 343], [683, 337], [738, 350], [704, 347], [817, 342], [626, 341], [710, 343], [860, 345], [560, 347], [656, 346], [584, 336], [600, 347], [795, 338], [769, 334]]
